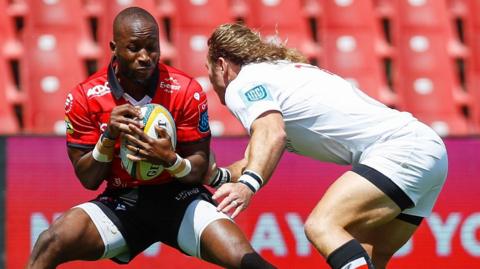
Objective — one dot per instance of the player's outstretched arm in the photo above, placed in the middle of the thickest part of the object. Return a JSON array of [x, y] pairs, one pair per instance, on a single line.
[[267, 143], [263, 153]]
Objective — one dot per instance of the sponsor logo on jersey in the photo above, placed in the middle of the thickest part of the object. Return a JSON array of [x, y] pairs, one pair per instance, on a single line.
[[98, 90], [69, 126], [255, 94], [68, 103], [187, 193], [203, 125], [169, 85]]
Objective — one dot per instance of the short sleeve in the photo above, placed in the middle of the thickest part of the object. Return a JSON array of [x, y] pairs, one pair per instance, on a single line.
[[247, 103], [80, 129], [193, 125]]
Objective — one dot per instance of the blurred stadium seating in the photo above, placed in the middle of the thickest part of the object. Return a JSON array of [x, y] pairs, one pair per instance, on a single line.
[[355, 48], [422, 56]]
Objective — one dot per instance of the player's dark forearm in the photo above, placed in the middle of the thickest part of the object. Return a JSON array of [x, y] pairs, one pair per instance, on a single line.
[[90, 172], [199, 169]]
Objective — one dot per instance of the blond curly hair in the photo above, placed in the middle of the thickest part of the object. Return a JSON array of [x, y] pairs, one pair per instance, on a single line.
[[241, 45]]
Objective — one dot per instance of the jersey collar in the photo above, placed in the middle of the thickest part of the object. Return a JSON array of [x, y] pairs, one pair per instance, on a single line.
[[117, 89]]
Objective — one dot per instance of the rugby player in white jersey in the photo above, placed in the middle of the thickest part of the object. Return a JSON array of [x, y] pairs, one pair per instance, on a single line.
[[399, 165]]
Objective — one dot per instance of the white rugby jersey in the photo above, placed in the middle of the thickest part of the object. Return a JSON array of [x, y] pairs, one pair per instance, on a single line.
[[326, 118]]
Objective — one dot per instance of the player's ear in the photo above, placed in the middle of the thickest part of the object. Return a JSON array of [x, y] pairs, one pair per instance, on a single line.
[[113, 47], [220, 63]]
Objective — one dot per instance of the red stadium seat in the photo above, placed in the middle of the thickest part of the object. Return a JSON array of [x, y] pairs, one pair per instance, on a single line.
[[18, 8], [269, 18], [427, 13], [431, 14], [10, 46], [94, 8], [352, 55], [58, 44], [464, 16], [313, 8], [386, 8], [192, 43], [58, 15], [354, 47], [430, 88], [340, 14], [474, 10], [202, 14], [166, 8], [9, 124], [11, 50], [190, 33], [274, 13], [239, 8], [52, 67]]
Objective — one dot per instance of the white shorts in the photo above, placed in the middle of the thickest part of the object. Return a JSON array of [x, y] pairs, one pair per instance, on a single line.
[[415, 159], [198, 216]]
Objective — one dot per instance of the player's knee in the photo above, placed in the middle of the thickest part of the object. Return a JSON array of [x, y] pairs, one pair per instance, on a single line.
[[49, 244], [317, 228], [57, 239]]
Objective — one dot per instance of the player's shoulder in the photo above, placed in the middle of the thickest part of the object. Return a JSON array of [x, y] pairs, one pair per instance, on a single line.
[[175, 79], [95, 84], [250, 76]]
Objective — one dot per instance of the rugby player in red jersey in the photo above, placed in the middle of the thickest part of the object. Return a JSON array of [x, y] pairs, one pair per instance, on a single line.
[[130, 215]]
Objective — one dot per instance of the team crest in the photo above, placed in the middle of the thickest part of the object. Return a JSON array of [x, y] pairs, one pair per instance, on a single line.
[[255, 94], [203, 125]]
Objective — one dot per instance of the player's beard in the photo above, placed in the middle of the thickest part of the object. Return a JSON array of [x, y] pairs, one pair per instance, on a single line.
[[130, 74]]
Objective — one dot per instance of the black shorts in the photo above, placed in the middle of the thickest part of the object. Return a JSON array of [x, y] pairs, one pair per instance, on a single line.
[[148, 214]]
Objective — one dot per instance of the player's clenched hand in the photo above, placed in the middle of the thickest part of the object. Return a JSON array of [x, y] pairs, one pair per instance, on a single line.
[[235, 196], [154, 150], [120, 117]]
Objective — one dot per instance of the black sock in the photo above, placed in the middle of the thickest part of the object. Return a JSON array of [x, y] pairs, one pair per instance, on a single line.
[[253, 260], [351, 255]]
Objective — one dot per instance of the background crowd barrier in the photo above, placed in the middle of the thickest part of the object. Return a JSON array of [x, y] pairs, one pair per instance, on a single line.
[[40, 184]]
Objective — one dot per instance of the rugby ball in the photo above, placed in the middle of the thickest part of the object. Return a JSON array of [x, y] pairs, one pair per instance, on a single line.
[[153, 115]]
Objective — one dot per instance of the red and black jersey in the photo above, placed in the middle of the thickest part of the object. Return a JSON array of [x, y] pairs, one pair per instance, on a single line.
[[89, 104]]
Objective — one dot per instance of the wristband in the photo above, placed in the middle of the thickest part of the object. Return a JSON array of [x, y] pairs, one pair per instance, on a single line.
[[253, 180], [221, 177], [180, 168], [104, 149]]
